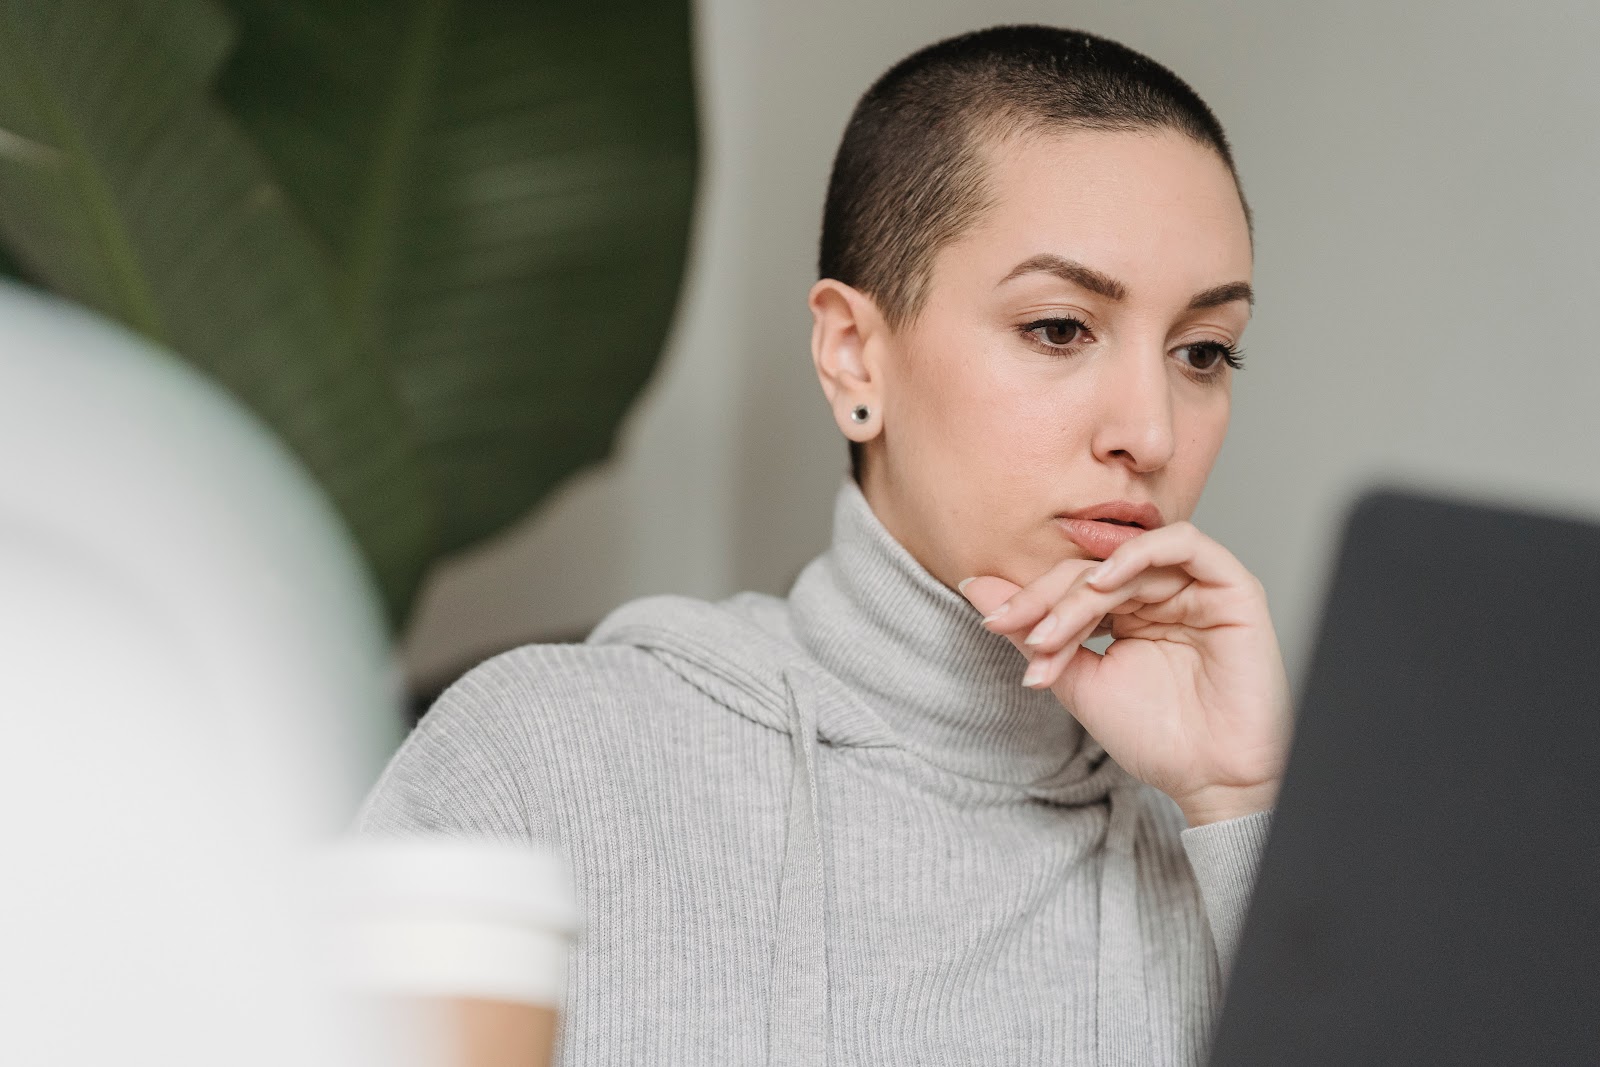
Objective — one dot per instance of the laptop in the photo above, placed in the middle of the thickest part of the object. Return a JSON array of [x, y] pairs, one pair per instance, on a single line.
[[1430, 891]]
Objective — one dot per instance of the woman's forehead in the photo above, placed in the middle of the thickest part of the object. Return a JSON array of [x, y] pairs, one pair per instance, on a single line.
[[1153, 205]]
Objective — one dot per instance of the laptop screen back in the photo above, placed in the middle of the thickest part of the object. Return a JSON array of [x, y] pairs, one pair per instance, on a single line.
[[1431, 889]]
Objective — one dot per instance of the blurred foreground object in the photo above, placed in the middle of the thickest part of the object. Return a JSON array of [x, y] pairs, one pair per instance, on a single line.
[[458, 948], [198, 689], [1428, 891], [436, 247]]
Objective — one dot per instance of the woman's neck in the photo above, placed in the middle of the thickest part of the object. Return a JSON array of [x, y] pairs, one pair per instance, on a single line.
[[912, 649]]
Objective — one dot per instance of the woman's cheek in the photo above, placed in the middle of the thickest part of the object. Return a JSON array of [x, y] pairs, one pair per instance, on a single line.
[[1202, 443]]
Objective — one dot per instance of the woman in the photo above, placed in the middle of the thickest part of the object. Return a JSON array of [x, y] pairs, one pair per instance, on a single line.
[[833, 827]]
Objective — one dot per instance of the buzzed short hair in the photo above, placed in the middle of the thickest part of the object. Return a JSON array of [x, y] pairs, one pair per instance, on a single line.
[[908, 177]]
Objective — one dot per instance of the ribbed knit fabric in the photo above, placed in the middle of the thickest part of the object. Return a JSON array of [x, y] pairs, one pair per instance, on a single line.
[[835, 829]]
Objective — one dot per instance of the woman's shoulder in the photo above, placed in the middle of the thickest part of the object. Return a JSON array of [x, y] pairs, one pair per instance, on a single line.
[[544, 696], [550, 677], [651, 661], [661, 681], [497, 750]]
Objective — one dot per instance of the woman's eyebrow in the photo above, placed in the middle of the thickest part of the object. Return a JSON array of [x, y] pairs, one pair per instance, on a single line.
[[1088, 278], [1069, 270], [1223, 294]]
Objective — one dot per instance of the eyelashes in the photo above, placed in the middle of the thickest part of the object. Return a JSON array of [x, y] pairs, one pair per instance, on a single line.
[[1059, 334], [1071, 326], [1232, 355]]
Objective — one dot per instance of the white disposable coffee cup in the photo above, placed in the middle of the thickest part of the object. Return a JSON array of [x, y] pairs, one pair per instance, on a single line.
[[457, 946]]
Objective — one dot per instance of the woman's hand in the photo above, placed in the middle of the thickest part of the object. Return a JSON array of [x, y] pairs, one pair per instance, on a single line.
[[1191, 697]]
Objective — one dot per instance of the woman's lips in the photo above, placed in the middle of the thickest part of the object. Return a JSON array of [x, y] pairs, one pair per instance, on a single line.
[[1097, 538]]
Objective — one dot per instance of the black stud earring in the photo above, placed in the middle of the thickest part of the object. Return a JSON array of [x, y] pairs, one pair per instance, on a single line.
[[860, 414]]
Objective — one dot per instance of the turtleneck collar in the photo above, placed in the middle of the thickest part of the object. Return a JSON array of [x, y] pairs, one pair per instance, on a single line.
[[916, 654]]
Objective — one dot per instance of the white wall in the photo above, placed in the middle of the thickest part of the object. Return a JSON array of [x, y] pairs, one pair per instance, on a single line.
[[1423, 178]]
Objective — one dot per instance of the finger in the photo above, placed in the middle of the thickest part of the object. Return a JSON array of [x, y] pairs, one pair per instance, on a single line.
[[1075, 674], [1177, 545], [1029, 604], [1044, 669], [1083, 608], [1059, 662], [987, 592]]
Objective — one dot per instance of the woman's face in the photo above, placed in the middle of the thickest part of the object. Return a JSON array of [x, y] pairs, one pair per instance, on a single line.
[[997, 415]]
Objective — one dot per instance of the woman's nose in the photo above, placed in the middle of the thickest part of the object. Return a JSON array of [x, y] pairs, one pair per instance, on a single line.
[[1135, 412]]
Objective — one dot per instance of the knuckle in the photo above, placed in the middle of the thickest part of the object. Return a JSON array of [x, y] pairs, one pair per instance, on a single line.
[[1069, 572], [1028, 603]]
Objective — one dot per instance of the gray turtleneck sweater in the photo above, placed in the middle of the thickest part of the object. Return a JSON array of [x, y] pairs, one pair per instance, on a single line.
[[834, 828]]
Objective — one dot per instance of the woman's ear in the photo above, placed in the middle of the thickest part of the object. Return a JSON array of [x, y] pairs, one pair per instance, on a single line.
[[847, 335]]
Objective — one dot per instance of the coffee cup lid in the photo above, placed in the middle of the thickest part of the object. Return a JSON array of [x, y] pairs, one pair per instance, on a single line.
[[437, 875]]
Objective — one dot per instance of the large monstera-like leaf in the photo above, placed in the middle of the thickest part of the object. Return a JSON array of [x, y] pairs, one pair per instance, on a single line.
[[506, 190], [435, 244], [123, 186], [9, 267]]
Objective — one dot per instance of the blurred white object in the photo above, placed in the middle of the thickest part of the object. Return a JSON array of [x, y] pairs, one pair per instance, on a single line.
[[453, 917], [197, 687], [453, 950]]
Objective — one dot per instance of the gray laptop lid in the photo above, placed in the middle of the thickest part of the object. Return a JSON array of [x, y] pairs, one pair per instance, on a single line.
[[1430, 892]]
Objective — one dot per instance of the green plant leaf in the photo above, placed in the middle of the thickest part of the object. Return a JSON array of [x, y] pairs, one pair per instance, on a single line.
[[9, 267], [123, 186], [506, 189]]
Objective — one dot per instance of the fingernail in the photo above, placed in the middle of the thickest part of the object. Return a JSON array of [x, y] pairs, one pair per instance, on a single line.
[[997, 612], [1046, 627], [961, 586], [1036, 671], [1101, 573]]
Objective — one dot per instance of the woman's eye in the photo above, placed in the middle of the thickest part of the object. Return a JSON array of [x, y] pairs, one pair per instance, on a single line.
[[1206, 355], [1057, 333]]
